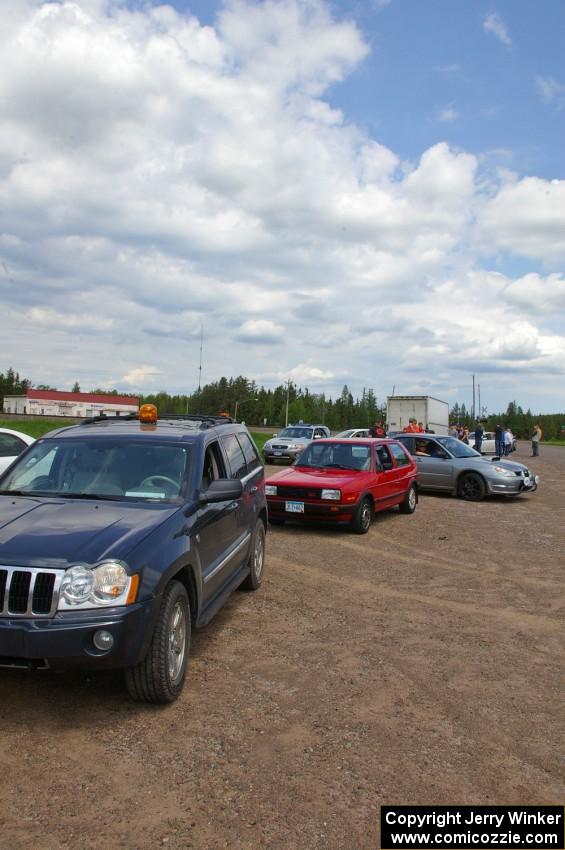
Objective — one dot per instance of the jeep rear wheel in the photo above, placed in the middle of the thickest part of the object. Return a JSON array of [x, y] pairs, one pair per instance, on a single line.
[[256, 558], [159, 677], [472, 487]]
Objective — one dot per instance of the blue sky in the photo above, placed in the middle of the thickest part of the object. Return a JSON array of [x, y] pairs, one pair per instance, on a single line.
[[369, 193]]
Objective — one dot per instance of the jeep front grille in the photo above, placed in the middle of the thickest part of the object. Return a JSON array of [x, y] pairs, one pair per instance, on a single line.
[[29, 592]]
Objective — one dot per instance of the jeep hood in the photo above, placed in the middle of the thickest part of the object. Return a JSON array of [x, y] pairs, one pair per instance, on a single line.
[[35, 531]]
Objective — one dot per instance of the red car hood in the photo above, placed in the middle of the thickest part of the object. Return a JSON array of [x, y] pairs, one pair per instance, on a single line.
[[297, 476]]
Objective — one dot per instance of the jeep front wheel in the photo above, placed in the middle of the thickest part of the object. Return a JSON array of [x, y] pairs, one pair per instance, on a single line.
[[159, 677]]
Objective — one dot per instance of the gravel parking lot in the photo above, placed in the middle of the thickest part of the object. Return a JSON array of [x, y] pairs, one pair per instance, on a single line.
[[421, 663]]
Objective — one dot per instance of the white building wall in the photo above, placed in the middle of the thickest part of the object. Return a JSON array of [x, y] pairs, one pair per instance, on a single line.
[[44, 407]]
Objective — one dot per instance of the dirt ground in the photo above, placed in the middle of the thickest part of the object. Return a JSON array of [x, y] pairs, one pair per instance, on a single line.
[[421, 663]]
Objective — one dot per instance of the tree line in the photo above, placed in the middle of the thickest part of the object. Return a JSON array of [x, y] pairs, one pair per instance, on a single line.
[[258, 406]]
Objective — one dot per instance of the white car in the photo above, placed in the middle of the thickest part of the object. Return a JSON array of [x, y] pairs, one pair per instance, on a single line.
[[488, 445], [12, 443], [352, 433]]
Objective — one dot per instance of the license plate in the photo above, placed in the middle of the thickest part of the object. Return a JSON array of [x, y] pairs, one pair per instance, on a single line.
[[277, 454], [294, 507]]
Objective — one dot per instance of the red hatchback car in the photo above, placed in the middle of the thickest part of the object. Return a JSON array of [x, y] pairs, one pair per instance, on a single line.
[[344, 482]]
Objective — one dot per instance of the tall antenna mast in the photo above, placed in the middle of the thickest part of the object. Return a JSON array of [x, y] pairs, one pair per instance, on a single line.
[[200, 366]]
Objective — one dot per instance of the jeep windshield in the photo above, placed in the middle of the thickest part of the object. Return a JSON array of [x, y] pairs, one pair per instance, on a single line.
[[296, 432], [456, 447], [102, 468]]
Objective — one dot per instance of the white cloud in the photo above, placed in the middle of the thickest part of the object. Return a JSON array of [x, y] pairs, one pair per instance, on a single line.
[[448, 114], [259, 330], [527, 218], [551, 92], [141, 376], [158, 177], [306, 374], [494, 24]]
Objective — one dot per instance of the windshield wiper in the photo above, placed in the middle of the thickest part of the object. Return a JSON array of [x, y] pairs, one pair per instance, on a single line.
[[101, 496], [338, 466], [20, 493]]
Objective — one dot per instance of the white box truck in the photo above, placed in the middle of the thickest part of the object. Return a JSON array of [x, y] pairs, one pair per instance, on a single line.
[[423, 408]]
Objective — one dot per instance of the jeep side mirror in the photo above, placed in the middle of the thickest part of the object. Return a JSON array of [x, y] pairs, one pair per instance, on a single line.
[[222, 490]]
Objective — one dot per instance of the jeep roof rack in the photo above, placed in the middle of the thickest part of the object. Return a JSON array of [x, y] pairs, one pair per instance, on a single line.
[[204, 420]]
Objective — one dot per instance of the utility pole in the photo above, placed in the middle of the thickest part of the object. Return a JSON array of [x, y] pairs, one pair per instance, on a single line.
[[473, 398], [480, 408], [287, 393]]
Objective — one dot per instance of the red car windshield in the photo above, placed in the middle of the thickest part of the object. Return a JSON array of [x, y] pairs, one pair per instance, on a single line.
[[353, 456]]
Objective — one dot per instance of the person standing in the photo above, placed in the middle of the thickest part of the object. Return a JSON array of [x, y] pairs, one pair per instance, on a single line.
[[507, 440], [377, 429], [499, 440], [479, 434], [536, 439]]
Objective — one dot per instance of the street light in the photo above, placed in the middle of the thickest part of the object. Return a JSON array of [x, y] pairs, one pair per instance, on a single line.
[[243, 401]]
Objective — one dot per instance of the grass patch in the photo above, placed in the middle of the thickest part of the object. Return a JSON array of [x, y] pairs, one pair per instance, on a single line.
[[260, 439], [36, 427]]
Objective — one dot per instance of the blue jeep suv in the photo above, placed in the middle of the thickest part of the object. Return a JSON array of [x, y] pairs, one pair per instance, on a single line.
[[118, 535]]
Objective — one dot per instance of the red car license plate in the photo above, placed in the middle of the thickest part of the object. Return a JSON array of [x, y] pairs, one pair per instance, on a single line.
[[294, 507]]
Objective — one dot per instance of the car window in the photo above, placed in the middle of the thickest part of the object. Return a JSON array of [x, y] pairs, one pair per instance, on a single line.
[[10, 445], [336, 456], [409, 443], [249, 451], [296, 432], [236, 459], [36, 466], [399, 454], [214, 467], [384, 460], [103, 467], [456, 447]]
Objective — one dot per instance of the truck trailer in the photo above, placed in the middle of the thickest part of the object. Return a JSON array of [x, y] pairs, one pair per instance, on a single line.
[[432, 412]]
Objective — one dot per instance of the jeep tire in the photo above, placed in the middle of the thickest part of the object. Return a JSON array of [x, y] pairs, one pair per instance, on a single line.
[[256, 558], [159, 677]]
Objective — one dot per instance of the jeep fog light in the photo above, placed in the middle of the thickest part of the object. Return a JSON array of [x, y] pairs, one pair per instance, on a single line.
[[103, 640], [331, 494]]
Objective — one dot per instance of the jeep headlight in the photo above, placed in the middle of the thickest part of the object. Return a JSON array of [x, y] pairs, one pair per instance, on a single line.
[[106, 584], [270, 489], [335, 495]]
